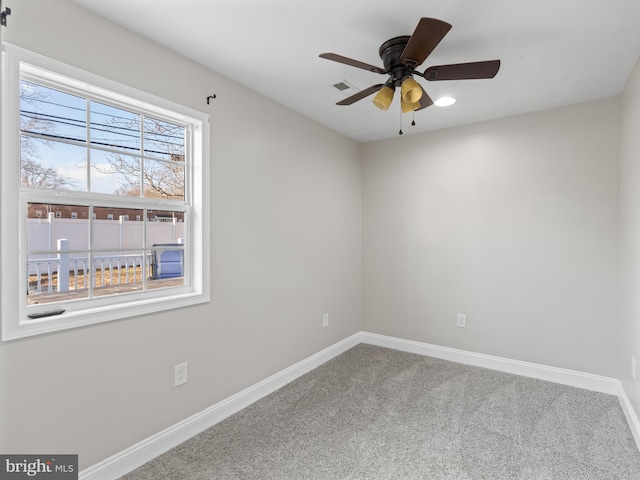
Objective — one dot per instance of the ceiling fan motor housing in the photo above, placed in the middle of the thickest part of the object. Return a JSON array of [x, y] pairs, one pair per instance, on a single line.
[[390, 53]]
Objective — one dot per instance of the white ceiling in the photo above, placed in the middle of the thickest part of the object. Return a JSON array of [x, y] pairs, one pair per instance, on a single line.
[[553, 52]]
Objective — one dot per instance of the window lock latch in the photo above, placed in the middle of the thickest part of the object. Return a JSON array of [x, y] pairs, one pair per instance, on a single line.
[[50, 313]]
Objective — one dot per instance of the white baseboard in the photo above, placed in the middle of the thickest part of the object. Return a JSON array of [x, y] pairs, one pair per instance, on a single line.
[[573, 378], [630, 413], [155, 445]]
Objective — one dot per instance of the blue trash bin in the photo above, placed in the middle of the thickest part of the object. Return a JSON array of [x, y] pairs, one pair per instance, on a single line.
[[168, 260]]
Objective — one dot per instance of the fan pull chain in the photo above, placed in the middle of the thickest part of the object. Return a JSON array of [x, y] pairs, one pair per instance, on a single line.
[[400, 132], [413, 118]]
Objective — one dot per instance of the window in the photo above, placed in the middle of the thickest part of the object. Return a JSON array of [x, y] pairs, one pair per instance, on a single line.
[[82, 155]]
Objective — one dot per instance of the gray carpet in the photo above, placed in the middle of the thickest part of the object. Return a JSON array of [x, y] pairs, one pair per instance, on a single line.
[[375, 413]]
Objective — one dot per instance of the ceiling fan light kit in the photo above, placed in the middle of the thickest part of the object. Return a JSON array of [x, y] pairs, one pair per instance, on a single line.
[[384, 97], [407, 107], [401, 56], [411, 91]]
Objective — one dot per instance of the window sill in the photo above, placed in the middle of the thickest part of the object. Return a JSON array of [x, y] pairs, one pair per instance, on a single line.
[[81, 318]]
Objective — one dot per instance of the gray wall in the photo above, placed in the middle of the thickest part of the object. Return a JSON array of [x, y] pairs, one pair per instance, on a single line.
[[513, 222], [286, 206], [630, 236]]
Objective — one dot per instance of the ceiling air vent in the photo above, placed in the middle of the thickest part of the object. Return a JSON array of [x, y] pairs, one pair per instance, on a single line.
[[344, 87]]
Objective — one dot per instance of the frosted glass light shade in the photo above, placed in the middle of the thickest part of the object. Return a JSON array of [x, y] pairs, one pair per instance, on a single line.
[[383, 98], [408, 107], [411, 91]]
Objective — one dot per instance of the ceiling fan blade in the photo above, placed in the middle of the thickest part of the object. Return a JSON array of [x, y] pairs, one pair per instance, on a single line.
[[425, 100], [425, 38], [350, 61], [463, 71], [360, 95]]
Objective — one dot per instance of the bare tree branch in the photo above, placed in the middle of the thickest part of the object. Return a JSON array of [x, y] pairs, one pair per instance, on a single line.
[[32, 172], [154, 178]]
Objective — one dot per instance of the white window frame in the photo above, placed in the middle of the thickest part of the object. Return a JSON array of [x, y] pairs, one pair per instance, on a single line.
[[13, 310]]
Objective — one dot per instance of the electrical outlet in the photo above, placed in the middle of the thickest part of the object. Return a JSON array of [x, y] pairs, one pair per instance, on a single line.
[[180, 374], [325, 320], [461, 320], [633, 367]]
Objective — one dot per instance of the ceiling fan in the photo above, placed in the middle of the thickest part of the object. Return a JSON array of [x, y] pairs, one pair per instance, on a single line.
[[401, 56]]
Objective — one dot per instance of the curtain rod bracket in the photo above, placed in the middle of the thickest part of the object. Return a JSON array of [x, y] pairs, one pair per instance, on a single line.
[[4, 14], [210, 97]]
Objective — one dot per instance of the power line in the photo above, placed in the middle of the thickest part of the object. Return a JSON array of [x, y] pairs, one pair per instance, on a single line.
[[96, 140], [82, 123]]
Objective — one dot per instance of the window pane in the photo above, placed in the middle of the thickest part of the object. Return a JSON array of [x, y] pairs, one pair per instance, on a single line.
[[115, 128], [164, 180], [57, 277], [119, 272], [163, 140], [57, 240], [47, 224], [52, 113], [111, 234], [165, 227], [167, 266], [115, 173], [165, 237], [52, 165]]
